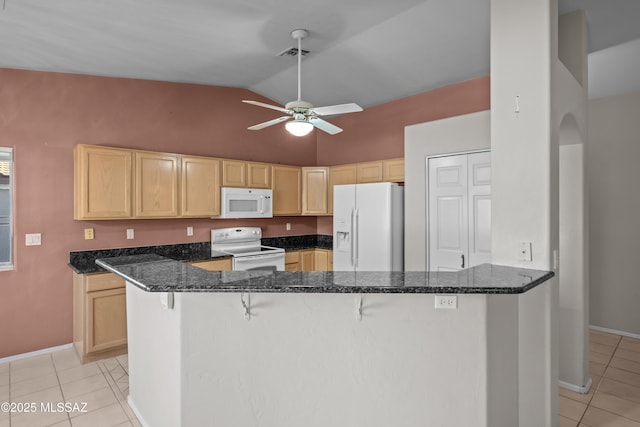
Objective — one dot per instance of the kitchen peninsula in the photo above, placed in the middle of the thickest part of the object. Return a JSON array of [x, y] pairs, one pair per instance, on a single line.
[[335, 348]]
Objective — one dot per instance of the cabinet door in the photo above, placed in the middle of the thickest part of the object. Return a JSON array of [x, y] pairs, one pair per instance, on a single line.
[[315, 186], [102, 182], [321, 260], [199, 187], [292, 261], [286, 181], [369, 172], [339, 175], [106, 320], [156, 184], [393, 170], [234, 173], [214, 264], [308, 260], [258, 175]]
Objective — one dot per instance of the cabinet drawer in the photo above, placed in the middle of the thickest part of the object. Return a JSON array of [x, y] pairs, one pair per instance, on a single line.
[[214, 265], [102, 282], [291, 256]]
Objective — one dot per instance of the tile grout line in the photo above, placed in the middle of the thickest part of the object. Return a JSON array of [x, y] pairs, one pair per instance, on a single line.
[[610, 379], [55, 368], [120, 397]]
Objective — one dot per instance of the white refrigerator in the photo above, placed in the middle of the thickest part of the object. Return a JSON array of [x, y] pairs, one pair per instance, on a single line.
[[368, 227]]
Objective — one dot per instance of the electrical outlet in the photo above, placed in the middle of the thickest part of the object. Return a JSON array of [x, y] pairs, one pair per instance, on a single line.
[[88, 234], [288, 226], [189, 231], [33, 239], [447, 301], [525, 251], [130, 233], [556, 259]]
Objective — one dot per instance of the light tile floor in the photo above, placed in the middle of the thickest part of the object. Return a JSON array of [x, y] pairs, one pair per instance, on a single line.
[[92, 395], [613, 401], [614, 398]]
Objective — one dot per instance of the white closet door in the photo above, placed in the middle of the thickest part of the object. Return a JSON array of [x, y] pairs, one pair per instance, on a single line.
[[459, 211], [479, 171], [448, 213]]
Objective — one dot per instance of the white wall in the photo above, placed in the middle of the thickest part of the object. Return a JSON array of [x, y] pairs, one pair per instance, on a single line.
[[613, 161], [574, 279], [460, 134], [569, 126]]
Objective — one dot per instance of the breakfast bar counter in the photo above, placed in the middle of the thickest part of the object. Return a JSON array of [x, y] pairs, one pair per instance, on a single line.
[[154, 273], [290, 349]]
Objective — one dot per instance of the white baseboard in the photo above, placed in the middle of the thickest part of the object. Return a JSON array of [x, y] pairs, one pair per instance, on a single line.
[[613, 331], [136, 412], [35, 353], [577, 388]]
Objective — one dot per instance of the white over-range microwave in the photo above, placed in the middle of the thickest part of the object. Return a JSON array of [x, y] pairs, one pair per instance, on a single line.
[[246, 203]]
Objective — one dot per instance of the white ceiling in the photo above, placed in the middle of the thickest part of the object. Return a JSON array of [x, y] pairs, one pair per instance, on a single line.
[[364, 51]]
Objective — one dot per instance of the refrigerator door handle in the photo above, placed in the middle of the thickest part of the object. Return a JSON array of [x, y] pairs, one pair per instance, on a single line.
[[355, 238], [352, 249]]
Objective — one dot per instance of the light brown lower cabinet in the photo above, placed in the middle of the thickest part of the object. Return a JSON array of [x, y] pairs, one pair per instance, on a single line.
[[99, 316], [292, 261], [214, 264], [309, 260]]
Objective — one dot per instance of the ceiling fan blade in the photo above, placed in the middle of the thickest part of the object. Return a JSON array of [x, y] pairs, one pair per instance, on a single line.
[[325, 126], [331, 110], [262, 104], [269, 123]]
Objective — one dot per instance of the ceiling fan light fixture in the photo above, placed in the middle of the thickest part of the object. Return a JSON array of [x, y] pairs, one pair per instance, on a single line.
[[299, 127]]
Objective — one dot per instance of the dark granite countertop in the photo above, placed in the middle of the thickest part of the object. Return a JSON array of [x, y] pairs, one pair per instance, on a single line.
[[84, 262], [154, 273]]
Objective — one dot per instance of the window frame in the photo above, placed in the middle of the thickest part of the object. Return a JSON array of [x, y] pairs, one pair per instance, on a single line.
[[7, 154]]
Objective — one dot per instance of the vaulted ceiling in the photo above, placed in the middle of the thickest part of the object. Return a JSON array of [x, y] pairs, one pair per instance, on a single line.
[[364, 51]]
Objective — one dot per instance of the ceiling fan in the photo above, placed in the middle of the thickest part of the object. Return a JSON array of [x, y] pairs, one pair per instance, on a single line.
[[305, 116]]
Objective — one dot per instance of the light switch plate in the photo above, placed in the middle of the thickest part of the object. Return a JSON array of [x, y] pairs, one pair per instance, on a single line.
[[33, 239]]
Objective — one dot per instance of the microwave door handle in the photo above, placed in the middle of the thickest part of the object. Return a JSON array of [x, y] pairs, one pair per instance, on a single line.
[[261, 204]]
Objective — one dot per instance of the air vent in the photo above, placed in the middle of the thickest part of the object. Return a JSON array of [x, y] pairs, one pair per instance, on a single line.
[[293, 51]]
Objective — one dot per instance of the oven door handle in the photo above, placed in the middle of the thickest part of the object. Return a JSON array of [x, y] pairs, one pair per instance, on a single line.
[[265, 256]]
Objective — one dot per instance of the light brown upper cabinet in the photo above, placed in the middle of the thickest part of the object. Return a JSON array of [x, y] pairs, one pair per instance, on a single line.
[[286, 182], [393, 170], [102, 182], [156, 184], [258, 175], [199, 187], [234, 173], [340, 175], [315, 190], [369, 172]]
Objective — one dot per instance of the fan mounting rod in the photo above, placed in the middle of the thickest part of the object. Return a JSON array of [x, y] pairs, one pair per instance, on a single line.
[[299, 34]]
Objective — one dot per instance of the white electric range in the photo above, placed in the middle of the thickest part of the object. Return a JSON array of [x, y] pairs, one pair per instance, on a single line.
[[243, 243]]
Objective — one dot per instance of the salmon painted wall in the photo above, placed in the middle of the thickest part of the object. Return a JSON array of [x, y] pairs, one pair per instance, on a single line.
[[378, 132], [44, 115]]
